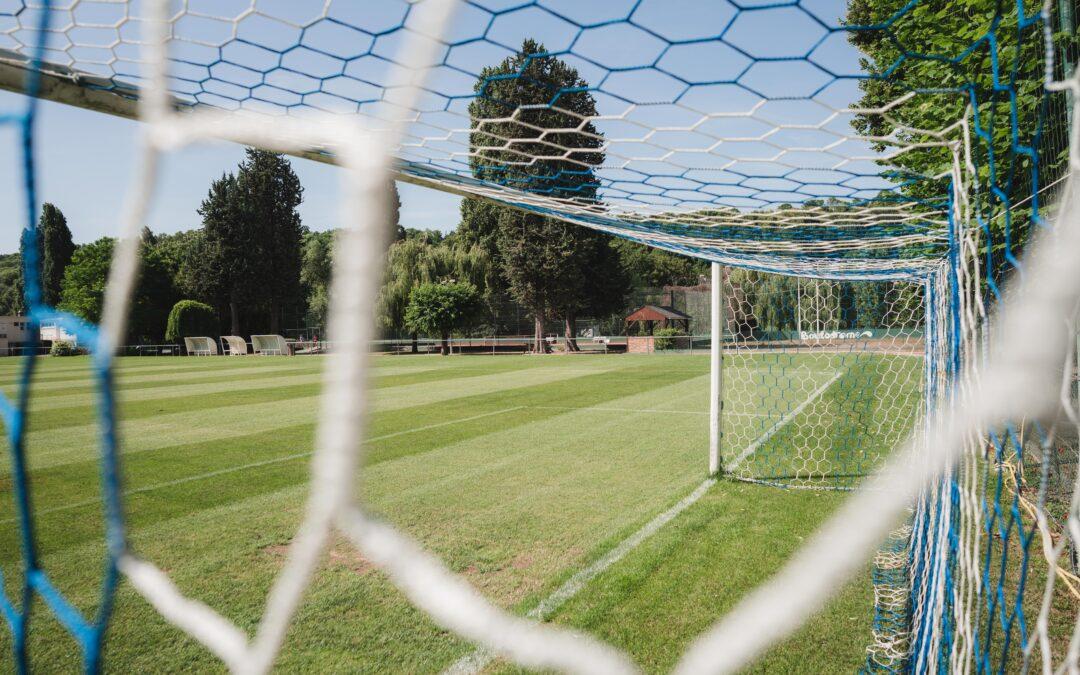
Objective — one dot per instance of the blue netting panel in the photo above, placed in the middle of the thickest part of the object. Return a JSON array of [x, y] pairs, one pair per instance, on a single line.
[[731, 132], [88, 632]]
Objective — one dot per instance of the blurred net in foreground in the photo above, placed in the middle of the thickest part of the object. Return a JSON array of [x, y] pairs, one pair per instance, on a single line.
[[911, 147]]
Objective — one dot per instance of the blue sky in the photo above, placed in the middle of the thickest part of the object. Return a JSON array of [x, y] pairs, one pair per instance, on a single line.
[[86, 159]]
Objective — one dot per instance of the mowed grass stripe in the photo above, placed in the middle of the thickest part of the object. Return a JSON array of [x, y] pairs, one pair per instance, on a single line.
[[562, 461], [233, 468], [77, 368], [75, 406], [180, 385], [222, 371], [87, 384], [241, 392], [76, 482], [597, 387], [169, 425]]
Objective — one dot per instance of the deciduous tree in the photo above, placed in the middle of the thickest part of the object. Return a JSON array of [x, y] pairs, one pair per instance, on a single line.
[[521, 100], [437, 309]]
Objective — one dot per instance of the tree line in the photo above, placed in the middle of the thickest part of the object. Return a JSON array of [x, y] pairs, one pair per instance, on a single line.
[[257, 268]]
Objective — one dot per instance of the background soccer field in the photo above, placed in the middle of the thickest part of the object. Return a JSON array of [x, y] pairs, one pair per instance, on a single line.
[[518, 471]]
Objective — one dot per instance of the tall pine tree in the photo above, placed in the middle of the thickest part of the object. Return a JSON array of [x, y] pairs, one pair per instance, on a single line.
[[253, 240], [231, 254], [269, 193], [56, 251]]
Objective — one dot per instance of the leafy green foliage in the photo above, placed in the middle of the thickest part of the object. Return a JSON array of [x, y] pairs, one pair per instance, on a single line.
[[63, 348], [269, 193], [11, 295], [665, 338], [937, 52], [419, 260], [649, 266], [254, 238], [437, 309], [316, 264], [83, 289], [251, 260], [316, 269], [190, 318], [232, 252], [556, 97], [479, 227], [185, 254]]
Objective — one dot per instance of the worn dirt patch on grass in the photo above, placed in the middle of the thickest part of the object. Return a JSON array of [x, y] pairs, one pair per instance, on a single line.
[[341, 555]]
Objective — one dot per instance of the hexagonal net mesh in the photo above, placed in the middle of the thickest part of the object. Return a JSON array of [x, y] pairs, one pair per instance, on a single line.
[[869, 172], [821, 378]]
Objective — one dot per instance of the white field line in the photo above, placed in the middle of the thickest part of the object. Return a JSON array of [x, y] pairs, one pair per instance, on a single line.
[[628, 410], [783, 421], [479, 659], [255, 465], [643, 410]]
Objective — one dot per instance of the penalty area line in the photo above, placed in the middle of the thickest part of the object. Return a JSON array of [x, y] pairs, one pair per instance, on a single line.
[[255, 465], [783, 421], [659, 411], [482, 657]]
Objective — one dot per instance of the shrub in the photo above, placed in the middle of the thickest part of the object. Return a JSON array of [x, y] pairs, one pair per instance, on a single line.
[[190, 318], [664, 338], [63, 348]]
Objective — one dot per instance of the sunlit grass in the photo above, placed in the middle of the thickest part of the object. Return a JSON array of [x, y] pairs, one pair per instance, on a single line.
[[517, 471]]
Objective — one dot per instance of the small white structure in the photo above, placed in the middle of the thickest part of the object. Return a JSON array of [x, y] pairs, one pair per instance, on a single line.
[[270, 345], [234, 345], [48, 332], [201, 346]]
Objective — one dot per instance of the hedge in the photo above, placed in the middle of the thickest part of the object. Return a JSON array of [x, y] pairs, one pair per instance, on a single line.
[[190, 318]]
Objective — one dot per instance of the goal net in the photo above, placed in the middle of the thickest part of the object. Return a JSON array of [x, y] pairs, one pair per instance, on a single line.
[[821, 378], [885, 183]]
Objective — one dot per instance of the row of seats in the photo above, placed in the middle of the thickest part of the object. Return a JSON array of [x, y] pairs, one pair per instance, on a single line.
[[234, 345]]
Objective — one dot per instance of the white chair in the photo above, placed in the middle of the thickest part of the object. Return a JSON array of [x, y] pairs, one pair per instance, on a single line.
[[270, 345], [234, 345], [200, 346]]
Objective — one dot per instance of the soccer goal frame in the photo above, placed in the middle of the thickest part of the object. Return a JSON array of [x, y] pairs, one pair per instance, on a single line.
[[985, 380]]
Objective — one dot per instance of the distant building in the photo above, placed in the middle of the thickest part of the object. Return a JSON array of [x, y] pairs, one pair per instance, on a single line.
[[649, 317], [641, 323], [51, 333], [14, 335]]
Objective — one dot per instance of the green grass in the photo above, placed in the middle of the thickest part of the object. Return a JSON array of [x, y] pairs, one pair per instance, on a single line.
[[517, 471], [833, 417]]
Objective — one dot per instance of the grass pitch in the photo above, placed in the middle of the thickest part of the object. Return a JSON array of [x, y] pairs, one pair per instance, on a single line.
[[517, 471]]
